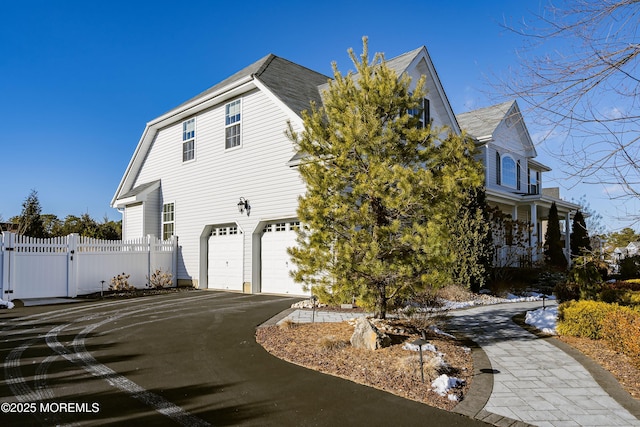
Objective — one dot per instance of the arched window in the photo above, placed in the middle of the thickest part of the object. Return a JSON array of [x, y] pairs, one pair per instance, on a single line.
[[509, 173]]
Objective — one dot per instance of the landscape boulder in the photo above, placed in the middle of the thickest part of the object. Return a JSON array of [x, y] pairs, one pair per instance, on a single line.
[[367, 336]]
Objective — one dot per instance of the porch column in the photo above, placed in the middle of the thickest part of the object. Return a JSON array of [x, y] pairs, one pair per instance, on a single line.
[[533, 242]]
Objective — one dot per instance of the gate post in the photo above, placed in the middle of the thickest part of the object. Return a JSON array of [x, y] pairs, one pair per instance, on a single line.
[[72, 263], [174, 261], [151, 247], [8, 244]]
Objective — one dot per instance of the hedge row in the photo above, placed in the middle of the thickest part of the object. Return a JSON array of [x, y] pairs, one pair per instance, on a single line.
[[618, 326]]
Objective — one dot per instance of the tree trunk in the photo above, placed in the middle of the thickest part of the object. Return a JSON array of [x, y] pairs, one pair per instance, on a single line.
[[381, 302]]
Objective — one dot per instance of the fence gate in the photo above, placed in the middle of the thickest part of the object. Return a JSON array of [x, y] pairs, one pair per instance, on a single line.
[[71, 265], [35, 268]]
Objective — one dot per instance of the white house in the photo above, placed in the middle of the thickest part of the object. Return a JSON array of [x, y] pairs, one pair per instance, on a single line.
[[219, 172], [514, 179]]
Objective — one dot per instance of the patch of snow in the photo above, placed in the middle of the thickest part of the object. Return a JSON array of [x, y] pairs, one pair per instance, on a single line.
[[444, 383], [425, 347], [6, 304], [440, 332], [528, 296], [543, 319]]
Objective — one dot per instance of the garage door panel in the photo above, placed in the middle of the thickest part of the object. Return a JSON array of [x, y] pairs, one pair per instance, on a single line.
[[276, 262], [225, 259]]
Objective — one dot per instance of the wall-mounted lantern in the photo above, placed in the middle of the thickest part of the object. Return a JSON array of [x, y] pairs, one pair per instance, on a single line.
[[243, 205]]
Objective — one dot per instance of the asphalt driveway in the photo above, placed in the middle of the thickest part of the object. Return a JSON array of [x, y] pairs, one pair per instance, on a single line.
[[181, 359]]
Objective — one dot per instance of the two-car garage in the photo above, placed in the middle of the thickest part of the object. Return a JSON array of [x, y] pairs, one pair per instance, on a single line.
[[226, 258]]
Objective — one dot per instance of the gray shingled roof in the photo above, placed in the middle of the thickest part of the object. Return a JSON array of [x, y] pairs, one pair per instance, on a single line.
[[139, 189], [483, 121], [401, 63], [293, 84]]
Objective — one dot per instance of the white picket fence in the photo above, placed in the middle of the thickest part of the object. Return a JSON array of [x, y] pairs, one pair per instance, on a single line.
[[74, 265]]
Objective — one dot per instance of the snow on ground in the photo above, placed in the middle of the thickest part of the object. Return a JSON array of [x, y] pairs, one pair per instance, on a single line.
[[413, 347], [543, 319], [444, 383], [489, 300], [6, 304]]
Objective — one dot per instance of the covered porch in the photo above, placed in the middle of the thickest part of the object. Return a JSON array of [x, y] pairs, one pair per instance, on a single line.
[[521, 241]]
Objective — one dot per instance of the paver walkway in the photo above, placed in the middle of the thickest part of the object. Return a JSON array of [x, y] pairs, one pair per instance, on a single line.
[[534, 381]]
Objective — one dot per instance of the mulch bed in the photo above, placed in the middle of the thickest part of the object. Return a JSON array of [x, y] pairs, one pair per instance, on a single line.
[[325, 347]]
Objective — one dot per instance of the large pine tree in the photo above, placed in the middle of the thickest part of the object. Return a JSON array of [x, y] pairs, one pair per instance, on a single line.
[[554, 254], [381, 189]]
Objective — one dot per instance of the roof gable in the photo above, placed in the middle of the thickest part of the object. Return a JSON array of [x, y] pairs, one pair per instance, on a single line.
[[410, 61], [484, 123]]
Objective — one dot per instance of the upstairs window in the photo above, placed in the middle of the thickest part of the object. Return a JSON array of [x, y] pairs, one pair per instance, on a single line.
[[498, 171], [232, 124], [423, 113], [509, 173], [168, 220], [518, 173], [188, 140], [534, 181]]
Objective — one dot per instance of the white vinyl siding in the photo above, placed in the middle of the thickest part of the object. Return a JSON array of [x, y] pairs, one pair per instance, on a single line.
[[134, 221], [207, 192]]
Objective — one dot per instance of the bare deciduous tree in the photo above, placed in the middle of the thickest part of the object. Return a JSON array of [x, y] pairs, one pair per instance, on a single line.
[[579, 76]]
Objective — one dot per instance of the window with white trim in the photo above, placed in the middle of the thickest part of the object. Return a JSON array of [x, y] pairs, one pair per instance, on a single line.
[[508, 171], [232, 124], [189, 140], [168, 220], [534, 181]]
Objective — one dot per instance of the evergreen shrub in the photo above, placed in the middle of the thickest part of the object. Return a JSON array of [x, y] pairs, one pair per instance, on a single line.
[[621, 330], [617, 326], [583, 318]]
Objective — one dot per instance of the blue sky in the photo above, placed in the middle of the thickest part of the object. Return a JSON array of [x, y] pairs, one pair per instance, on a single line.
[[80, 79]]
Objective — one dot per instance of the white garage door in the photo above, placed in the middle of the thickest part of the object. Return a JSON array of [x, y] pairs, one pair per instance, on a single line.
[[276, 262], [225, 258]]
